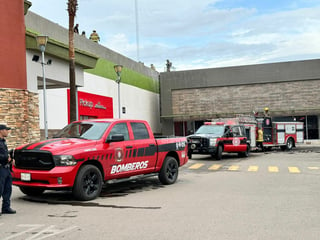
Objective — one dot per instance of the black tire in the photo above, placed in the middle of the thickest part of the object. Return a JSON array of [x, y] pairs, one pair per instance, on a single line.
[[289, 144], [219, 152], [31, 191], [88, 183], [169, 171], [246, 153]]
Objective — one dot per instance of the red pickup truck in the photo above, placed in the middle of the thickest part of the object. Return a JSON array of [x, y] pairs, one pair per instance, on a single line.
[[85, 154]]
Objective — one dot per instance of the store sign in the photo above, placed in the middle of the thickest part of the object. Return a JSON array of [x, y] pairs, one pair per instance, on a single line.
[[93, 105], [90, 104]]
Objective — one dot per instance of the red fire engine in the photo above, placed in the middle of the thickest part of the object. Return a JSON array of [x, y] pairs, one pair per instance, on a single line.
[[275, 134], [280, 134], [210, 140], [217, 137]]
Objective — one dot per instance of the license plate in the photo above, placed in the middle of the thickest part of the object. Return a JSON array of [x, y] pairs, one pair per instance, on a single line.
[[25, 177]]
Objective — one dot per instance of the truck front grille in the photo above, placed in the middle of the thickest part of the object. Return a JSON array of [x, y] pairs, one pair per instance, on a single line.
[[35, 160], [199, 141]]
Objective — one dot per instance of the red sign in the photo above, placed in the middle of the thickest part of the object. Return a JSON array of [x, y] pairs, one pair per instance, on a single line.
[[92, 106]]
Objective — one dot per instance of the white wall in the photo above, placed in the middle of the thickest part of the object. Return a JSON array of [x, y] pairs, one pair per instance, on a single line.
[[58, 71], [139, 103], [57, 108]]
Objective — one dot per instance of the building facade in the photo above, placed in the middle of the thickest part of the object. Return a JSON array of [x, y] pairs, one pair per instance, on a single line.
[[21, 81], [291, 91], [95, 76], [174, 103]]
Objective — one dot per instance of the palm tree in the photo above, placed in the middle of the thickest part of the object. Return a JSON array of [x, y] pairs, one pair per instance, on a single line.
[[72, 9]]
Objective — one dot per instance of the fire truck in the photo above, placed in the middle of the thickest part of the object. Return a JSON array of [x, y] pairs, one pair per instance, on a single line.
[[216, 137], [275, 134], [280, 134], [239, 135]]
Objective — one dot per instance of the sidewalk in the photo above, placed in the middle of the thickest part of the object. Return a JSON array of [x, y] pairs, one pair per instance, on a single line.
[[312, 143]]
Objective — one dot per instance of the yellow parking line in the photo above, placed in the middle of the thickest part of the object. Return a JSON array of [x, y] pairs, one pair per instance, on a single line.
[[196, 166], [253, 168], [294, 170], [273, 169], [314, 168], [233, 168], [215, 167]]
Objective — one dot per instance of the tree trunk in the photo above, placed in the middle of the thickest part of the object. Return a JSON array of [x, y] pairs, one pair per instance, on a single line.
[[72, 7]]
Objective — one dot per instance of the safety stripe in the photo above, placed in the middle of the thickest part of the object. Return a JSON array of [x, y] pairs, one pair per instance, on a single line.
[[293, 170], [215, 167], [234, 168], [313, 168], [273, 169], [253, 168], [170, 147], [242, 141], [38, 147], [196, 166], [141, 152], [26, 146]]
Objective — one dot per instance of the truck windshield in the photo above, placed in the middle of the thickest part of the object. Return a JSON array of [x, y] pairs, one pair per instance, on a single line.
[[211, 129], [85, 130]]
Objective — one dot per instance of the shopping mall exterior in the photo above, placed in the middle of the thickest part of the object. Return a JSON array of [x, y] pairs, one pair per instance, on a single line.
[[172, 102]]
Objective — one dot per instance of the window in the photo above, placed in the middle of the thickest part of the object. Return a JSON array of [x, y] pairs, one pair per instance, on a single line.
[[236, 131], [84, 130], [140, 131], [120, 128]]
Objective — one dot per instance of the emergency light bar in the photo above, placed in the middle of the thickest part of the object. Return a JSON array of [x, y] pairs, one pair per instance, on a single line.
[[214, 123]]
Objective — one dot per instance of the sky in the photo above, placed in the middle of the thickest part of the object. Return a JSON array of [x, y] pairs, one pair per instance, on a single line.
[[197, 34]]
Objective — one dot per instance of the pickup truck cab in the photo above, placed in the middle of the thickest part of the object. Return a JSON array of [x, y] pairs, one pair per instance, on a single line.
[[85, 154], [216, 138]]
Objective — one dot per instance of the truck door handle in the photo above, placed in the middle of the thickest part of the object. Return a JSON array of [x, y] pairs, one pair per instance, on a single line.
[[152, 145], [127, 147]]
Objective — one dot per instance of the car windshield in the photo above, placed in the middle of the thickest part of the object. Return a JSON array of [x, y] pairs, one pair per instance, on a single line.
[[211, 129], [84, 130]]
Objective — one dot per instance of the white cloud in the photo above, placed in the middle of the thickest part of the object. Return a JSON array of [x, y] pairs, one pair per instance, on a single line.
[[195, 34]]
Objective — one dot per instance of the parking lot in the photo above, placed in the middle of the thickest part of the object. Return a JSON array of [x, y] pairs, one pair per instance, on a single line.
[[272, 195]]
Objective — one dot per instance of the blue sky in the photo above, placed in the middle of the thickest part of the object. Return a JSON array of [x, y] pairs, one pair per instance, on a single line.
[[197, 34]]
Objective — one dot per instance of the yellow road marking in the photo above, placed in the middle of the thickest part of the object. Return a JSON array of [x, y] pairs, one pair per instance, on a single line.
[[196, 166], [215, 167], [233, 168], [294, 170], [253, 168], [313, 168], [273, 169]]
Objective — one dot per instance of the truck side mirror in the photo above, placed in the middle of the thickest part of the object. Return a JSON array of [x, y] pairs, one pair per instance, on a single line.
[[115, 138]]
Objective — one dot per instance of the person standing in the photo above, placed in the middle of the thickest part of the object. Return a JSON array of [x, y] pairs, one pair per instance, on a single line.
[[76, 28], [260, 139], [169, 65], [5, 174], [94, 36]]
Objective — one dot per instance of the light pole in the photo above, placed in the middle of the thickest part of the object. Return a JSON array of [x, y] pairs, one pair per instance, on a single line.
[[118, 69], [42, 42]]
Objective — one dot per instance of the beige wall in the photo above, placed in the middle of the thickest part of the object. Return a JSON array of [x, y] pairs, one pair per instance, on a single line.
[[284, 98]]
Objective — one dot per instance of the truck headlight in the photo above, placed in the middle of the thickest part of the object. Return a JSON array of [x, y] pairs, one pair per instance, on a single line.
[[212, 141], [64, 160]]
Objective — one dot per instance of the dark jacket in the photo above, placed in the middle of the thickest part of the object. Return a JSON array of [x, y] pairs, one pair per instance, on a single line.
[[3, 152]]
